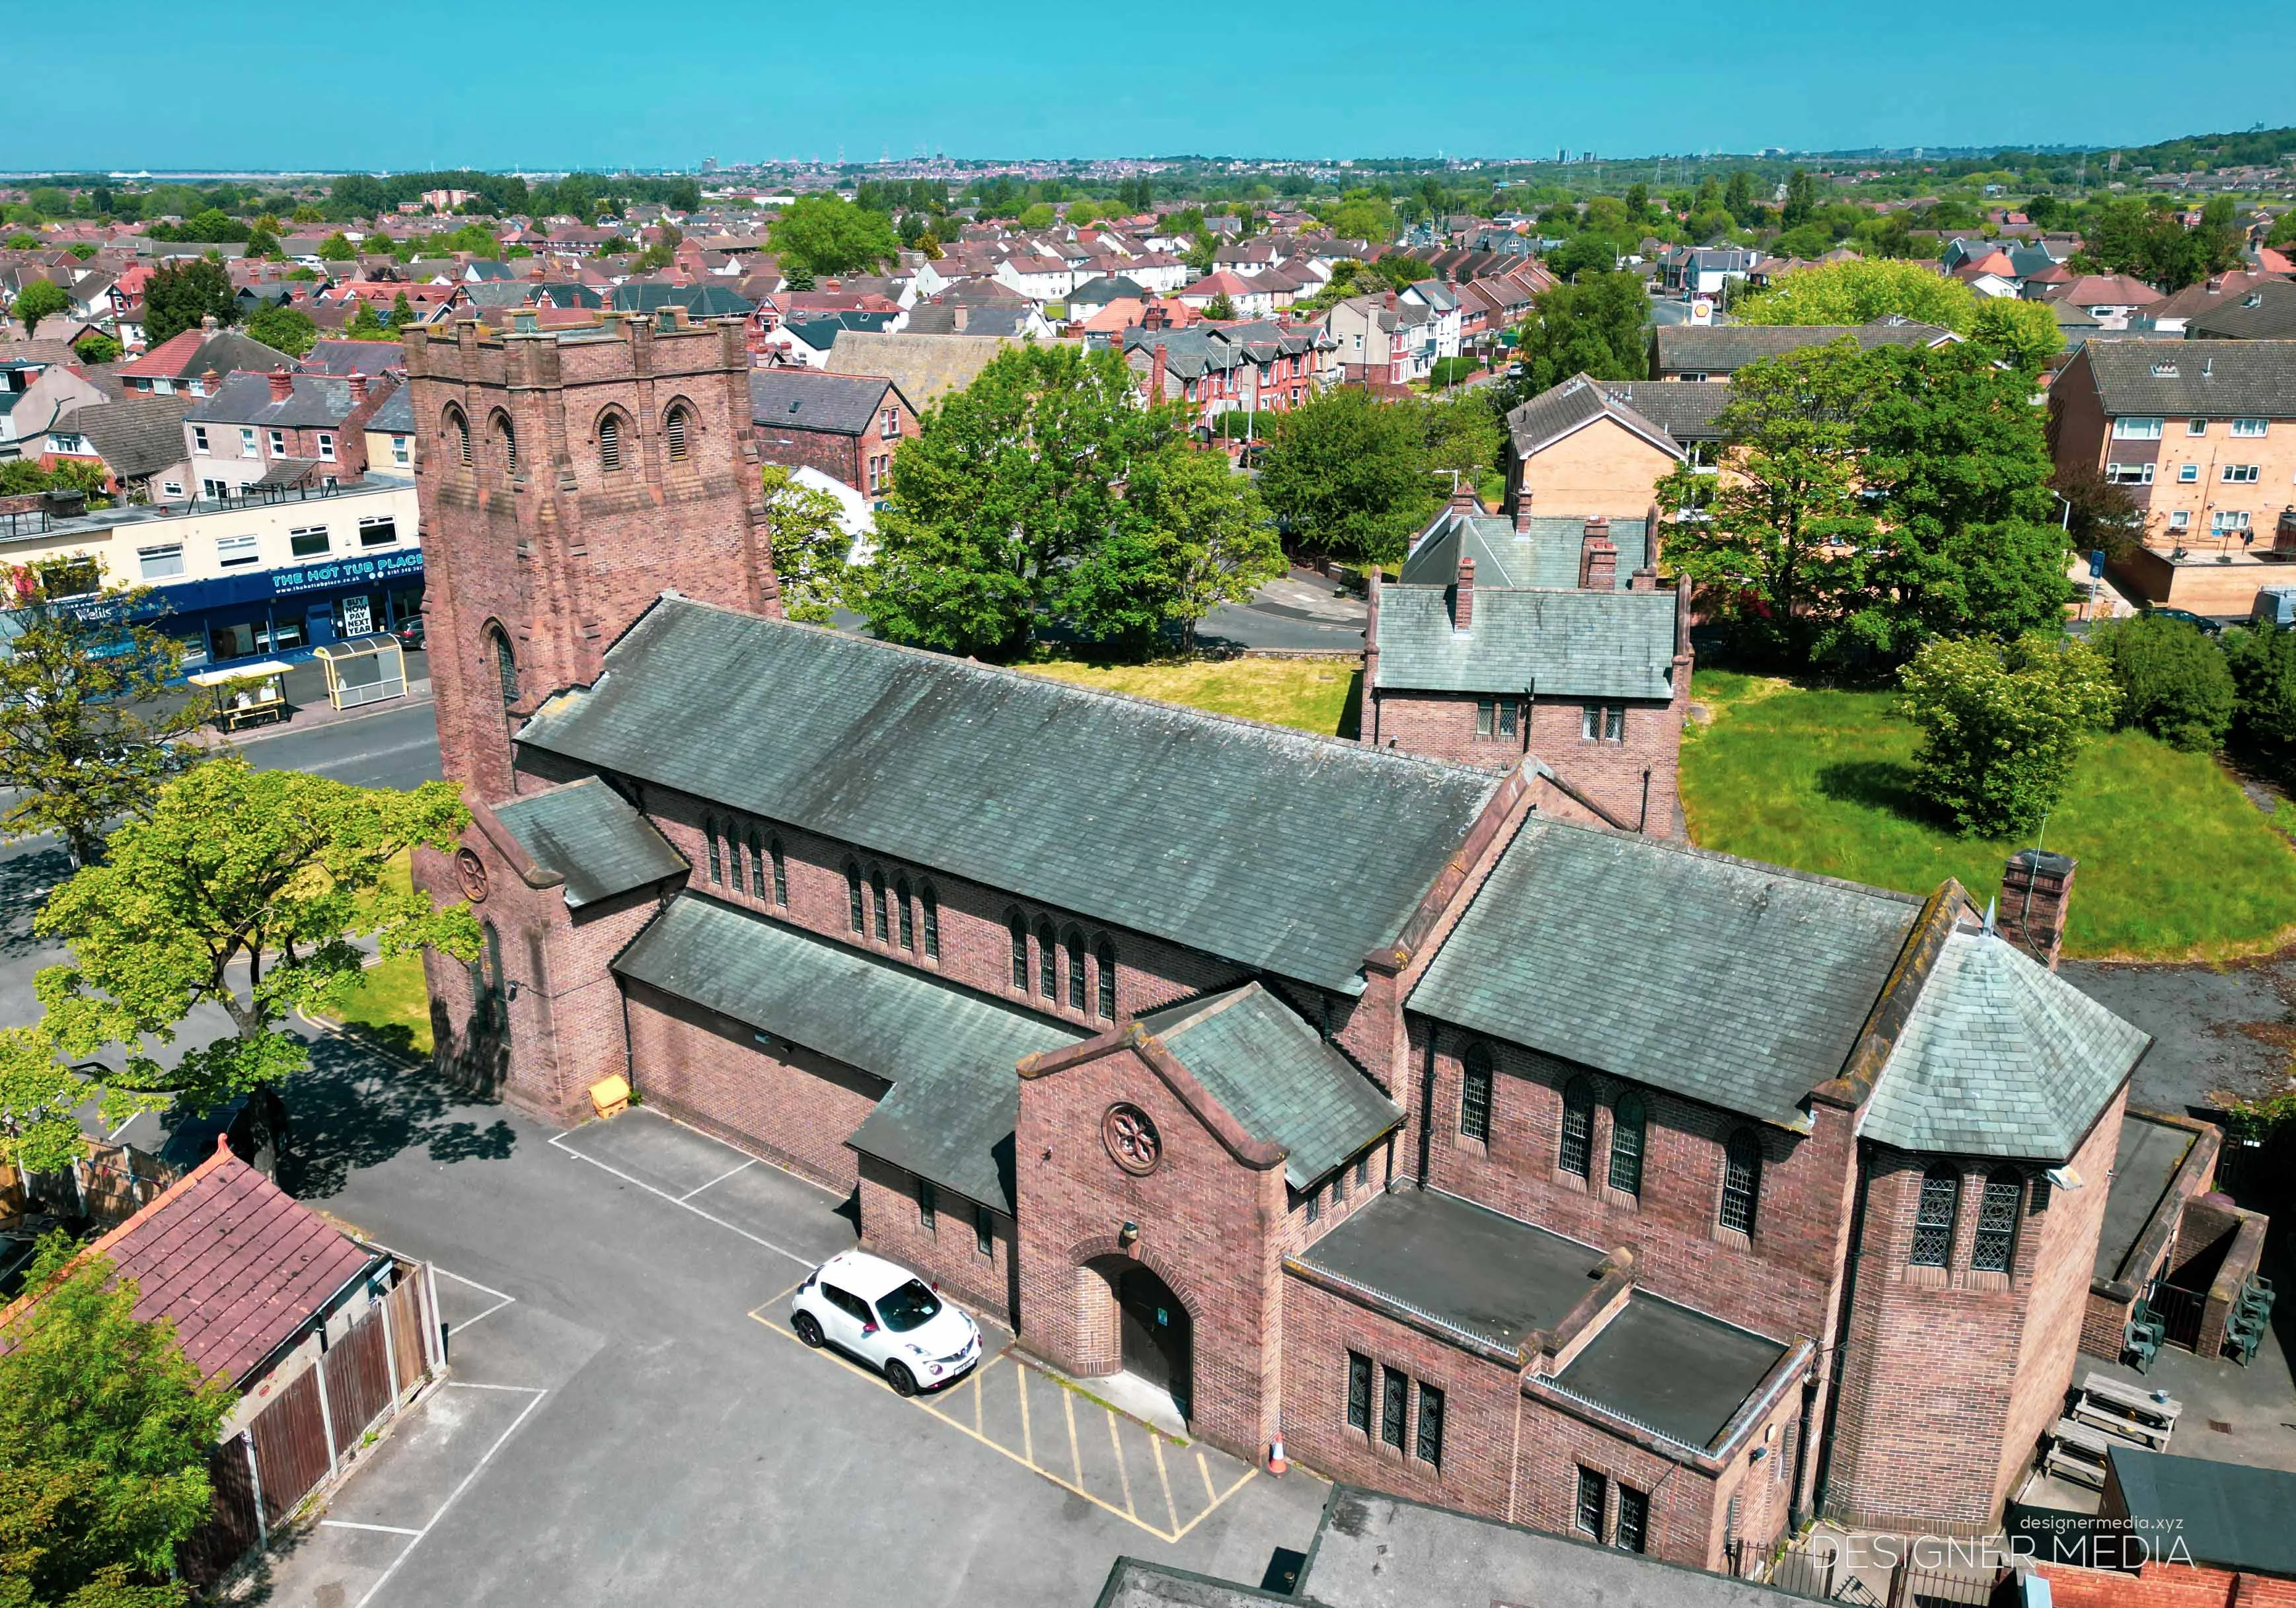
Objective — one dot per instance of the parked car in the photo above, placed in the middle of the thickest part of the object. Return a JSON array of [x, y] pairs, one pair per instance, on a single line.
[[2274, 606], [410, 633], [880, 1313], [2199, 622]]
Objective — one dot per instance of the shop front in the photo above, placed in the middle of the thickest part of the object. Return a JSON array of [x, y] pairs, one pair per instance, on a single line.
[[294, 607]]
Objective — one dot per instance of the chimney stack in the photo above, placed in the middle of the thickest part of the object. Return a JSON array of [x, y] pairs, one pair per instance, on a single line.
[[208, 325], [358, 390], [1598, 560], [1156, 368], [1522, 510], [282, 385], [1463, 596], [2037, 890], [957, 316]]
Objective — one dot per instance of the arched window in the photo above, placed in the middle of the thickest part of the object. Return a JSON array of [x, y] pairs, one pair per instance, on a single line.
[[507, 443], [1741, 1181], [902, 895], [458, 429], [505, 664], [678, 430], [1996, 1222], [1048, 964], [610, 442], [1105, 958], [717, 853], [780, 873], [929, 903], [1626, 1133], [1075, 942], [1019, 929], [1940, 1204], [486, 975], [877, 901], [1577, 1153], [1475, 1093], [757, 867], [853, 897]]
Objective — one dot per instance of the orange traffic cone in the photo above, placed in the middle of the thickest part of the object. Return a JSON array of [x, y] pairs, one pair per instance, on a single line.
[[1276, 1462]]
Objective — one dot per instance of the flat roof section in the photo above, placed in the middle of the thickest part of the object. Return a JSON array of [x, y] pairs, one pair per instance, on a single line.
[[1464, 1265], [2149, 1153], [1673, 1370]]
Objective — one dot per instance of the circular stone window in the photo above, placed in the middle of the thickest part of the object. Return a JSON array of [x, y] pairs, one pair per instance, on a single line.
[[1131, 1138], [471, 872]]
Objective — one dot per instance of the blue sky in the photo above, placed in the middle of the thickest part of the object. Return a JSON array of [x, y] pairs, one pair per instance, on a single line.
[[578, 83]]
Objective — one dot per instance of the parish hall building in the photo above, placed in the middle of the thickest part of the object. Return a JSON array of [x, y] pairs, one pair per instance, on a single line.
[[1376, 1102]]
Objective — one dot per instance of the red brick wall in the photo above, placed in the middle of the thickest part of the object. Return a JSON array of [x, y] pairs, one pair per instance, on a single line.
[[1555, 1446], [1442, 727], [1210, 1227], [949, 1252], [836, 455], [2165, 1585], [796, 1110]]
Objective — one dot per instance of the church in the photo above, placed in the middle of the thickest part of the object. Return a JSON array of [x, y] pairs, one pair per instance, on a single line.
[[1383, 1104]]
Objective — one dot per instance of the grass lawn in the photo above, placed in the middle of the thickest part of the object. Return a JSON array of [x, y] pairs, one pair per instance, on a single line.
[[2174, 861], [1315, 695], [391, 1005]]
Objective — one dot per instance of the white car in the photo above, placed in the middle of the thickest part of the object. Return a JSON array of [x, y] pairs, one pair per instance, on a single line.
[[887, 1316]]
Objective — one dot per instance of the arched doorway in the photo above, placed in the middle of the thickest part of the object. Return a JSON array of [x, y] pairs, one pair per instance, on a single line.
[[1157, 1337]]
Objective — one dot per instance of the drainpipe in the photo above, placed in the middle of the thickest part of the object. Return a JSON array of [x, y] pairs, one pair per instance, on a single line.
[[1840, 1347]]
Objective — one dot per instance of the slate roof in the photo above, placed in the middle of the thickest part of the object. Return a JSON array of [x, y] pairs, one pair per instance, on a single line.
[[952, 1056], [810, 398], [1211, 831], [193, 352], [588, 835], [2264, 312], [1107, 288], [700, 300], [1547, 554], [2230, 1514], [1721, 350], [1999, 1058], [1685, 410], [1573, 644], [2195, 379], [926, 367], [1564, 409], [354, 358], [1672, 1369], [1277, 1077], [395, 417], [137, 434], [238, 1266], [320, 400], [1743, 986]]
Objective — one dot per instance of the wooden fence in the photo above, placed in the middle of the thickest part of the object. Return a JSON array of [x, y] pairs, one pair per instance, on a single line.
[[312, 1428]]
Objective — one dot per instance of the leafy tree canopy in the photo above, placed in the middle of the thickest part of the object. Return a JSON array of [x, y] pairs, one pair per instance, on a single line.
[[1190, 535], [179, 295], [810, 545], [2002, 726], [1594, 327], [2174, 681], [828, 234], [285, 329], [1859, 292], [41, 299], [1348, 475]]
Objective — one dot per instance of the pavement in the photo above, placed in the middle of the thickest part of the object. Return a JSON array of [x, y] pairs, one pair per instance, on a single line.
[[629, 1417]]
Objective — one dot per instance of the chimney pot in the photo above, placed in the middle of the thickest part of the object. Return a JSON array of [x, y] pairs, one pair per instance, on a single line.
[[1463, 595], [358, 388], [282, 385], [208, 325], [1598, 560]]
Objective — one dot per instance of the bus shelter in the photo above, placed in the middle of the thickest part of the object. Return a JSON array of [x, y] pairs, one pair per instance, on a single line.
[[364, 669]]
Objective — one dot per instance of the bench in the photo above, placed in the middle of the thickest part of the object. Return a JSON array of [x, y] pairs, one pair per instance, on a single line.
[[2078, 1453]]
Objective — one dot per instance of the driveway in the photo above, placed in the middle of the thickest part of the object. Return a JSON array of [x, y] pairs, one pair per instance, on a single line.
[[628, 1419]]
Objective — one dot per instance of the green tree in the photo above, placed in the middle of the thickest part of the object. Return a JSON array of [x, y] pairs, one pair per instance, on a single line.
[[1219, 307], [1465, 435], [2002, 726], [808, 539], [1191, 535], [1007, 484], [402, 313], [828, 234], [96, 347], [261, 243], [366, 325], [338, 247], [40, 298], [2284, 230], [1584, 257], [285, 329], [1039, 217], [2262, 659], [1594, 327], [2174, 681], [105, 1431], [1738, 199], [84, 736], [244, 890], [1770, 540], [1348, 475], [1363, 215], [179, 295], [1801, 198], [2023, 334], [1858, 292]]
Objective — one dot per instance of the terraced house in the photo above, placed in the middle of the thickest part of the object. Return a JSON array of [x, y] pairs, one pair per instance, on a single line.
[[1355, 1098]]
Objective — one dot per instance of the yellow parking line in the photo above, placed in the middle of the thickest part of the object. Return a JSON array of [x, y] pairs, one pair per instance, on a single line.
[[1076, 1459], [1122, 1473], [1027, 1441], [1156, 1445], [1223, 1497], [1205, 1469], [977, 1373]]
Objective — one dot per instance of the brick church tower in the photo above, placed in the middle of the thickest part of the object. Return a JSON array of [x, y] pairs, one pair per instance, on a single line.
[[567, 479]]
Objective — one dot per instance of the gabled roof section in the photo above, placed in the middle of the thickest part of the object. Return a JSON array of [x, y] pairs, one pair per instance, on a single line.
[[1684, 409], [2000, 1058], [1211, 831], [2199, 379], [1742, 985], [1570, 644], [1564, 409], [589, 836], [952, 1056], [1725, 348], [1546, 554], [137, 434], [1277, 1077], [811, 399]]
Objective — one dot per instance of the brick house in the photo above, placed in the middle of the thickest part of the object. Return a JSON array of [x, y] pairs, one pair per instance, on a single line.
[[845, 425], [1532, 1169], [281, 430], [1577, 450]]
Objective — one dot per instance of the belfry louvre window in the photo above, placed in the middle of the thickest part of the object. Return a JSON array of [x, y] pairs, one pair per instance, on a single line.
[[610, 442], [1358, 1391], [1996, 1223], [676, 430], [1627, 1120], [1741, 1181], [1393, 1406], [1933, 1219], [505, 667], [1475, 1094], [1577, 1153]]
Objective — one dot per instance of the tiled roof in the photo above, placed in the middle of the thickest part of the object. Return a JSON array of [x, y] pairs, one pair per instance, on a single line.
[[354, 358], [1277, 1077], [235, 1264], [1743, 986], [2196, 379], [1999, 1058], [320, 400], [395, 417], [2265, 311], [809, 399], [2111, 290], [1547, 554], [137, 434], [952, 1056], [925, 367], [1721, 350], [1684, 410], [1213, 832], [193, 352], [588, 835], [1563, 409], [1563, 643]]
